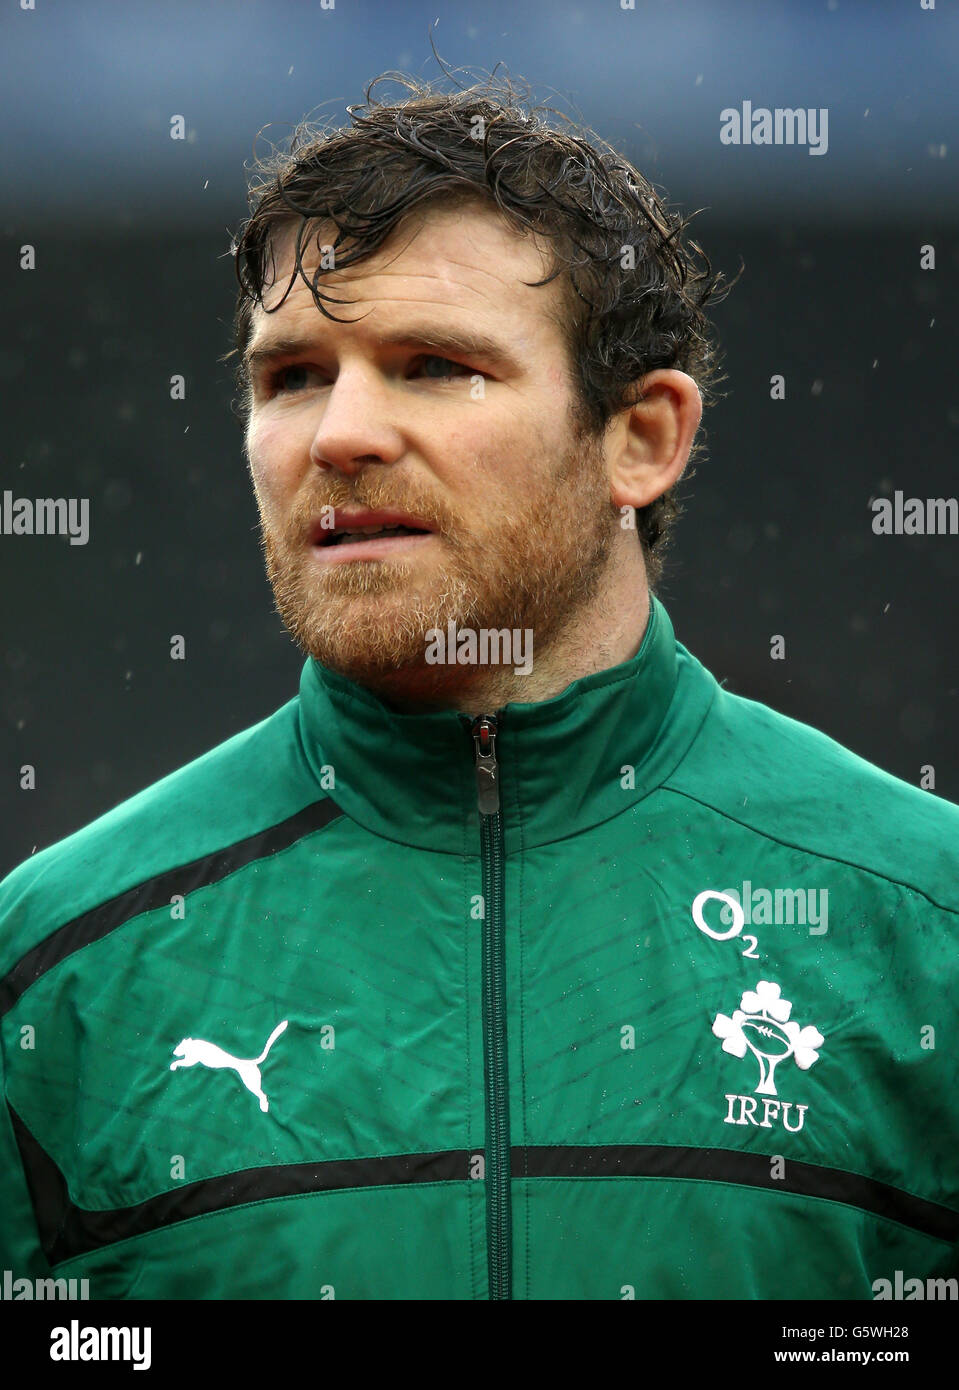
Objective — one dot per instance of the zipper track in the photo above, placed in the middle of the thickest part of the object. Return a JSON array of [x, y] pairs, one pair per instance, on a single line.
[[498, 1206]]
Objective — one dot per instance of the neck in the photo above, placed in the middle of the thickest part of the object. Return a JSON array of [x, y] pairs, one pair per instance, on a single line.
[[609, 632]]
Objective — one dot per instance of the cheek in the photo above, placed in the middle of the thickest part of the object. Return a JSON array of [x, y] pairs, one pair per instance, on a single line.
[[498, 445], [271, 460]]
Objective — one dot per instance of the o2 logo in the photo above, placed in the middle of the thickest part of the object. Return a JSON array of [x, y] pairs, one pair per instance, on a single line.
[[739, 920]]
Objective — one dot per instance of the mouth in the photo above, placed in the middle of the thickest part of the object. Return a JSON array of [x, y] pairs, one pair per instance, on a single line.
[[367, 535]]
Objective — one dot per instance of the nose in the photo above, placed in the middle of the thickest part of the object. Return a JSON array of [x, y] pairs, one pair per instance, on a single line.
[[356, 427]]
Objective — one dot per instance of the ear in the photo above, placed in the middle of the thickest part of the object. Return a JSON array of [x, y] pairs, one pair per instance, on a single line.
[[648, 444]]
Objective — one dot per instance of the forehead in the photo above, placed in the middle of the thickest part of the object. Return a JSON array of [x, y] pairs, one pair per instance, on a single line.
[[460, 266]]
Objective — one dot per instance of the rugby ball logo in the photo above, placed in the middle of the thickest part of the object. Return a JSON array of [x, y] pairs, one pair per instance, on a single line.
[[761, 1025]]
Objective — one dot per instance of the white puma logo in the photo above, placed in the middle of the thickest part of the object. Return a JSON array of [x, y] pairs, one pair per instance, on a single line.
[[193, 1050]]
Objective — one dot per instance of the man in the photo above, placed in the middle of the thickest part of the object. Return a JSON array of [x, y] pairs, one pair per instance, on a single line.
[[514, 958]]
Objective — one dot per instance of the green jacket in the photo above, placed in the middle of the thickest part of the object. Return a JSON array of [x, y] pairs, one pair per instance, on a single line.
[[373, 1005]]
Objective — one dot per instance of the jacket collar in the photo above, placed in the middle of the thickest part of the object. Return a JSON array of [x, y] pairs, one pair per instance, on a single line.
[[563, 762]]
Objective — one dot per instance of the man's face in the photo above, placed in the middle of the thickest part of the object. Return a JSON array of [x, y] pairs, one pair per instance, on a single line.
[[382, 414]]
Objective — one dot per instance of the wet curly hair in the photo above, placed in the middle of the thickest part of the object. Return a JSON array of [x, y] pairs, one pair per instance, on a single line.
[[633, 291]]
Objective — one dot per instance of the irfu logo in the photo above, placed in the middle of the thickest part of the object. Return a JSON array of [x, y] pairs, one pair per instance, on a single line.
[[760, 1026]]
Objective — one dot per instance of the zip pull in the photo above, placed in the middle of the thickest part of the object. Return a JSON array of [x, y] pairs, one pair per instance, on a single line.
[[487, 768]]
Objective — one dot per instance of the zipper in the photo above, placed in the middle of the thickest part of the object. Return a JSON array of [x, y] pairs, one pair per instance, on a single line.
[[498, 1216]]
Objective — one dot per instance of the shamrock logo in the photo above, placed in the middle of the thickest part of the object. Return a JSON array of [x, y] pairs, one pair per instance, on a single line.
[[762, 1026]]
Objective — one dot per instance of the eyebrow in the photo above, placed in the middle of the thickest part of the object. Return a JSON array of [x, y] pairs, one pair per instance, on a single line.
[[459, 342]]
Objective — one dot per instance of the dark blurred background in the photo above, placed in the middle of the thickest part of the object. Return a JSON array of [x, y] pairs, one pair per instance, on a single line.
[[134, 283]]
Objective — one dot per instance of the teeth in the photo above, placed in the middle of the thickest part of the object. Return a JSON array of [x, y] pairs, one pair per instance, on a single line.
[[359, 531]]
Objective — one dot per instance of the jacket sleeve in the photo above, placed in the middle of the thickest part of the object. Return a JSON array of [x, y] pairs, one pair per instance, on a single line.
[[20, 1249]]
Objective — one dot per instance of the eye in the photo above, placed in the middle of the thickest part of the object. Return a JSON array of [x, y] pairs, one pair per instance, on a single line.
[[448, 368], [278, 380]]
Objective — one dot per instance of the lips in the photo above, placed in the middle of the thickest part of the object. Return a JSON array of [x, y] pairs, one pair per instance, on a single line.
[[356, 525]]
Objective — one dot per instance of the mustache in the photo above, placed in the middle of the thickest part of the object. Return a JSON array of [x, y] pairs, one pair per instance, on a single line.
[[303, 515]]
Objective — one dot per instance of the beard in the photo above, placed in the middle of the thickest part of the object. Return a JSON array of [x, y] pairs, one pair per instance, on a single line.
[[536, 560]]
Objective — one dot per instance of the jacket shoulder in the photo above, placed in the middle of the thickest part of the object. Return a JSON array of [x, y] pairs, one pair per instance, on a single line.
[[796, 785], [254, 779]]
